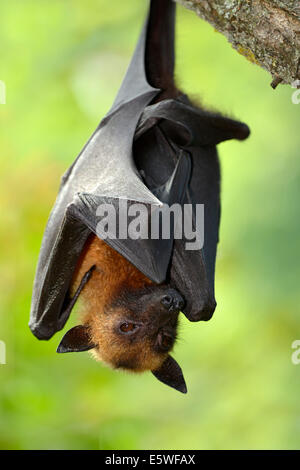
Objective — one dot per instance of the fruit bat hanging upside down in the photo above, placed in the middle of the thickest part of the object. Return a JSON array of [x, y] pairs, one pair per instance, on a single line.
[[154, 147]]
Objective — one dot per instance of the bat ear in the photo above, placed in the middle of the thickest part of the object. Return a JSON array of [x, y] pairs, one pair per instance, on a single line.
[[76, 340], [171, 374]]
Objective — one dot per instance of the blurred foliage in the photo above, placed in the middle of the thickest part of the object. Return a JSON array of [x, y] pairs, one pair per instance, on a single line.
[[62, 62]]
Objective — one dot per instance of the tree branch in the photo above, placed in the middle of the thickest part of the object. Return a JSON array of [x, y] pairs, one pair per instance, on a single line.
[[266, 32]]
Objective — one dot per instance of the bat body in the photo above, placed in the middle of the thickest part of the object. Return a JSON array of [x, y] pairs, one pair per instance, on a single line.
[[153, 148]]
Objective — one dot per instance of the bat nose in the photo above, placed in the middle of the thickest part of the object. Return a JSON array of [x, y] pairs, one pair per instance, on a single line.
[[172, 300]]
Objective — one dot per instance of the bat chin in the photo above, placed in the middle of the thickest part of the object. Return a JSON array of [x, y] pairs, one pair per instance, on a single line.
[[134, 363]]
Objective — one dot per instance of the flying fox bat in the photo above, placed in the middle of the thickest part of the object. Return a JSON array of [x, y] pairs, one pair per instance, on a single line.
[[153, 148]]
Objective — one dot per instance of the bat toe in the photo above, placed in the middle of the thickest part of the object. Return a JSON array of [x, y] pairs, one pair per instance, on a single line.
[[200, 312]]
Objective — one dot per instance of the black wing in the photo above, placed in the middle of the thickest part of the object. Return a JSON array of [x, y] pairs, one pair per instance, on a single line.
[[165, 129], [104, 172]]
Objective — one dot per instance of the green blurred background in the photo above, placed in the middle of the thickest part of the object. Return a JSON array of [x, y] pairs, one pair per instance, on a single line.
[[63, 62]]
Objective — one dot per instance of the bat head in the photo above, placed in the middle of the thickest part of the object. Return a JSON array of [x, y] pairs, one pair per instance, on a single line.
[[134, 333], [139, 328], [129, 323]]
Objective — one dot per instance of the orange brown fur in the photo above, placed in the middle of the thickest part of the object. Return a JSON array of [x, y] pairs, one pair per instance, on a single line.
[[111, 276]]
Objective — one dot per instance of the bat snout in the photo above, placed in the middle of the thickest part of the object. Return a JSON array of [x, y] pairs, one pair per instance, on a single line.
[[172, 300]]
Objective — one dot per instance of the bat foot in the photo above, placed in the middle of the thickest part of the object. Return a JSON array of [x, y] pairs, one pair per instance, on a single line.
[[202, 313]]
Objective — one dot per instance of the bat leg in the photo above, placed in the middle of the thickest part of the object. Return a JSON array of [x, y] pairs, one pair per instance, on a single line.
[[70, 302]]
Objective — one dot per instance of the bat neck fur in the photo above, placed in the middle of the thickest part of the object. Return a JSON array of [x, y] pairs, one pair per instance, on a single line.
[[112, 273]]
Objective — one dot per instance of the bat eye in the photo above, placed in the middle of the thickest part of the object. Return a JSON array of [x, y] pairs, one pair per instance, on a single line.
[[128, 327]]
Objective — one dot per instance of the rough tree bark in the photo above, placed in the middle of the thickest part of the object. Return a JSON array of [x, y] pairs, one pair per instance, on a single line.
[[266, 32]]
